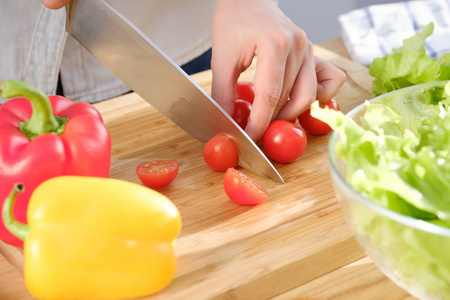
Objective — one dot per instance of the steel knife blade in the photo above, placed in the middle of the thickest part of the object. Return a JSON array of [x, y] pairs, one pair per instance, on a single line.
[[131, 56]]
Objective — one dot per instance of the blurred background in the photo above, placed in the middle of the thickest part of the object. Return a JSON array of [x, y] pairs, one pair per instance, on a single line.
[[319, 18]]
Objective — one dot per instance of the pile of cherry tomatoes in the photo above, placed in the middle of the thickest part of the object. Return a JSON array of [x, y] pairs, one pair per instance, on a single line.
[[283, 141]]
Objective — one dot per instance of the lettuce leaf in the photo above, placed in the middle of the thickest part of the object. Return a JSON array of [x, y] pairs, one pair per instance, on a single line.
[[408, 65]]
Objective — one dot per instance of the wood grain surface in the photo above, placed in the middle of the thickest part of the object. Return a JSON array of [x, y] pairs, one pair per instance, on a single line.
[[295, 246]]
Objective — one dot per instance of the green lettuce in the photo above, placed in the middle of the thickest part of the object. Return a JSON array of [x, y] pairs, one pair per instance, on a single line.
[[408, 65], [397, 154]]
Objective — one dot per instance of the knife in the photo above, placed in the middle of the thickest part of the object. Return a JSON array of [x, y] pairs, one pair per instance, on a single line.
[[144, 68]]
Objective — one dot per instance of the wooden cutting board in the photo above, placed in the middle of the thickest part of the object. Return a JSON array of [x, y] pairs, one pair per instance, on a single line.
[[227, 251]]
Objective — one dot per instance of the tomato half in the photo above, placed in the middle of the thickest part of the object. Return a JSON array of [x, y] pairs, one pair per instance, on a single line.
[[313, 125], [220, 153], [157, 173], [284, 141], [242, 190], [241, 112], [245, 91]]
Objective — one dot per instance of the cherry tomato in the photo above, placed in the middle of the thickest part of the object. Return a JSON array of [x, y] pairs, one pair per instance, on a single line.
[[313, 125], [220, 153], [242, 190], [242, 110], [245, 91], [157, 173], [284, 141]]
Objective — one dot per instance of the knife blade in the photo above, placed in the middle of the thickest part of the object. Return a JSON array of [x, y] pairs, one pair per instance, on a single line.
[[144, 68]]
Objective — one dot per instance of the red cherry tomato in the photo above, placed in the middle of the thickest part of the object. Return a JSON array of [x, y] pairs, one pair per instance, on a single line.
[[284, 141], [157, 173], [220, 153], [245, 91], [242, 190], [242, 110], [313, 125]]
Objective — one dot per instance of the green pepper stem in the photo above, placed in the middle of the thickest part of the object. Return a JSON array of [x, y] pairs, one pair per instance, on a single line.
[[18, 229], [42, 119]]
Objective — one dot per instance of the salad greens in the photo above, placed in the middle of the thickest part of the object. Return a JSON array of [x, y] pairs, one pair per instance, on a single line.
[[400, 154], [408, 65], [396, 151]]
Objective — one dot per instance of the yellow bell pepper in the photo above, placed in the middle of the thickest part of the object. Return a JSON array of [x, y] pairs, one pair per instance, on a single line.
[[96, 238]]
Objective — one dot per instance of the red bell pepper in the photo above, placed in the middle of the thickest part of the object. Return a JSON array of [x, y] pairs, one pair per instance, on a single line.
[[43, 137]]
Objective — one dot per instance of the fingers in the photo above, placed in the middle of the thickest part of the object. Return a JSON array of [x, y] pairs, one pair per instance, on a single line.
[[287, 78], [329, 79], [226, 68], [54, 4], [304, 89], [274, 85], [298, 53], [278, 88], [316, 79], [269, 77], [223, 89], [228, 60]]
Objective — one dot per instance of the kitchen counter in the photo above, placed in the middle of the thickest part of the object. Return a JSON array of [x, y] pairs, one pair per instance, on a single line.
[[295, 246]]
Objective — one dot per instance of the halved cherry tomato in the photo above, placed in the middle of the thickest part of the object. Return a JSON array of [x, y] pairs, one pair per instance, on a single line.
[[220, 153], [242, 110], [242, 190], [313, 125], [157, 173], [245, 91], [284, 141]]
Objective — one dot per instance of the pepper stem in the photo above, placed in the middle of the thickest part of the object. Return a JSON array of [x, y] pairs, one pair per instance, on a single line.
[[42, 119], [18, 229]]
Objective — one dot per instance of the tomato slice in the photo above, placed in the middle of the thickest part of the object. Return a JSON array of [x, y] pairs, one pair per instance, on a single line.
[[220, 153], [242, 190], [313, 125], [157, 173], [245, 90]]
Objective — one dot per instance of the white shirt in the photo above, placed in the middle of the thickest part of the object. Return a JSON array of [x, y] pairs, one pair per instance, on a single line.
[[35, 47], [376, 30]]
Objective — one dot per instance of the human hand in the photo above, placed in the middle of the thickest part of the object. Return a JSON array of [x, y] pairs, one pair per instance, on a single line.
[[288, 77], [54, 4]]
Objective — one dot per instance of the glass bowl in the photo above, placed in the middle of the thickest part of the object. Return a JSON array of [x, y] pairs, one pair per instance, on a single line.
[[413, 253]]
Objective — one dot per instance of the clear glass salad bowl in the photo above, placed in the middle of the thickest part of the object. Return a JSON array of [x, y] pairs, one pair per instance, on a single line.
[[414, 254]]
